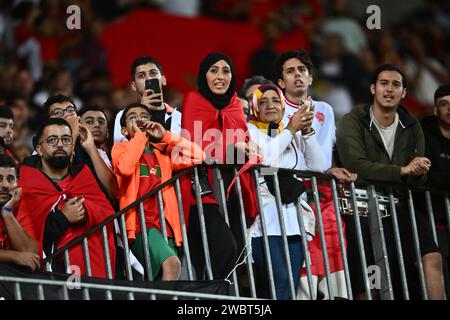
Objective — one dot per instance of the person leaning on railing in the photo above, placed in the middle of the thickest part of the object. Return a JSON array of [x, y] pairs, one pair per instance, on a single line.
[[437, 148], [64, 200], [17, 243], [293, 147], [383, 143], [212, 112], [141, 163]]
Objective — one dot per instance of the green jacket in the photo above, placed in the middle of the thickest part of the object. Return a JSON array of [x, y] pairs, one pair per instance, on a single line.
[[361, 150]]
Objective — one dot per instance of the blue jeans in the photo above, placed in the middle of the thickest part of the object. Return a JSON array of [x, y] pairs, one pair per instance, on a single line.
[[280, 273]]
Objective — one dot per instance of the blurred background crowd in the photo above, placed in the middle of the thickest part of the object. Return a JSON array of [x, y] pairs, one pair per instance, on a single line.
[[40, 56]]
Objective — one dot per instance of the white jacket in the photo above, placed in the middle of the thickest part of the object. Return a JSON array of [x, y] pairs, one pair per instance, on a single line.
[[286, 151]]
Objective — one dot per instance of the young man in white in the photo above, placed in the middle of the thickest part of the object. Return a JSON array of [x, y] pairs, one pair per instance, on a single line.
[[293, 71], [142, 69]]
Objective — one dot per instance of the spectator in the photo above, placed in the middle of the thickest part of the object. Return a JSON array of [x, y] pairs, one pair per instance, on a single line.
[[294, 75], [381, 142], [61, 106], [17, 243], [342, 23], [249, 86], [437, 148], [95, 120], [141, 164], [293, 147], [6, 131], [64, 200], [218, 108], [142, 69]]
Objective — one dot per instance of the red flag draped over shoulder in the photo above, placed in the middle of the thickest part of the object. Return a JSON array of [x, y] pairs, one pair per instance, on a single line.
[[201, 123], [40, 196]]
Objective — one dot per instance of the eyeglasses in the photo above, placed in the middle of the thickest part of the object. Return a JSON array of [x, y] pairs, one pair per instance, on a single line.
[[52, 141], [59, 113], [134, 117]]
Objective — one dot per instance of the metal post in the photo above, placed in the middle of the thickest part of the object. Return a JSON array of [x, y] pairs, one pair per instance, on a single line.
[[362, 252], [246, 240], [398, 246], [40, 292], [265, 237], [201, 219], [17, 291], [305, 247], [281, 221], [183, 229], [227, 220], [107, 259], [379, 245], [66, 259], [322, 238], [145, 245], [431, 214], [162, 217], [412, 216], [126, 250], [88, 266], [341, 239]]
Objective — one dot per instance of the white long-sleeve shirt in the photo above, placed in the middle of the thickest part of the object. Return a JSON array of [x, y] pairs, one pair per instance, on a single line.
[[286, 151]]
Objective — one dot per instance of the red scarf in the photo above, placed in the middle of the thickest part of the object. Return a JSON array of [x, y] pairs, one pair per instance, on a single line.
[[40, 195], [197, 108]]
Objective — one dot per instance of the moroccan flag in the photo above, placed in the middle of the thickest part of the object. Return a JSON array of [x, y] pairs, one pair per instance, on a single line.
[[40, 196], [214, 131]]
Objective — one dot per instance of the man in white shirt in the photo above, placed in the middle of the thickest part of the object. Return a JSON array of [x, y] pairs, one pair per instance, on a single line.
[[142, 69], [293, 71]]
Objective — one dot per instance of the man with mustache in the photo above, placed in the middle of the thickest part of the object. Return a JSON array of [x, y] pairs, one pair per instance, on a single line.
[[17, 245], [64, 199]]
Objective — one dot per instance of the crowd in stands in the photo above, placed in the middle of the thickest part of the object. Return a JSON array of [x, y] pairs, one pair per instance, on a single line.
[[74, 149]]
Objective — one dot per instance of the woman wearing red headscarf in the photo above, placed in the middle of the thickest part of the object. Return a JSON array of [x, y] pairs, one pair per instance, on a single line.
[[214, 119]]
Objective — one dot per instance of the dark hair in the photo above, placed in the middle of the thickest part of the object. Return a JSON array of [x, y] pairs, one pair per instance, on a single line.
[[123, 118], [301, 55], [252, 81], [92, 108], [59, 98], [144, 60], [442, 91], [50, 122], [6, 112], [8, 162], [388, 67]]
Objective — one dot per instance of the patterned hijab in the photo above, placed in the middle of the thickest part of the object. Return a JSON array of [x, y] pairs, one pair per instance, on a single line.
[[266, 127]]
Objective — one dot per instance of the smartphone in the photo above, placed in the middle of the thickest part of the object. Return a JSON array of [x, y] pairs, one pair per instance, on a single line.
[[154, 85]]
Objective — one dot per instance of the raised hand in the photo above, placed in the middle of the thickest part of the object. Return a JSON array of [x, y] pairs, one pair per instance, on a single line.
[[155, 130], [15, 193], [151, 99]]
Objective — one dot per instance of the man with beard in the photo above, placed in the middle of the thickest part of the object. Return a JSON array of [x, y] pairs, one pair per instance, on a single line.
[[64, 200], [17, 245], [6, 130], [85, 150]]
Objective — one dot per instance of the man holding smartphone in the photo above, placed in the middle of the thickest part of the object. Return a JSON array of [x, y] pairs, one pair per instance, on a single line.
[[294, 76], [147, 79]]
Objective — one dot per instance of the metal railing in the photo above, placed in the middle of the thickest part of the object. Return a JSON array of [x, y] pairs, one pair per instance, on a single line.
[[334, 284]]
